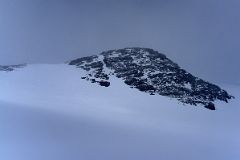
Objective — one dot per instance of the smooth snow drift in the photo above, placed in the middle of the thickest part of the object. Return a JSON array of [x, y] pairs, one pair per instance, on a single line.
[[48, 112]]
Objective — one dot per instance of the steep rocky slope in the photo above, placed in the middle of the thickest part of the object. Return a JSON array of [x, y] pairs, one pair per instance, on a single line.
[[151, 72]]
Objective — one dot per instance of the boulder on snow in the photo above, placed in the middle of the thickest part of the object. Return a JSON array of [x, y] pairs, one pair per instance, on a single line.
[[210, 106], [104, 83]]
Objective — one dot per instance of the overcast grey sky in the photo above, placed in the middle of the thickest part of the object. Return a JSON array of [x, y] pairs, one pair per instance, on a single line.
[[201, 36]]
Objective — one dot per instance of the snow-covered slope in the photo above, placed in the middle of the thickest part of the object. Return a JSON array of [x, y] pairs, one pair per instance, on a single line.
[[48, 112]]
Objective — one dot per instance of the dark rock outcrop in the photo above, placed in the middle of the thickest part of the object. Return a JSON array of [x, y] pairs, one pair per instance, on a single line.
[[9, 68], [151, 72], [104, 83], [210, 106]]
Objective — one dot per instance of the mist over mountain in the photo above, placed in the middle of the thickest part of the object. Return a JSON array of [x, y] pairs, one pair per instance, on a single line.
[[201, 36], [119, 80]]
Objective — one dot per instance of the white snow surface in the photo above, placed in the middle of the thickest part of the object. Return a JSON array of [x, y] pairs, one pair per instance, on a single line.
[[47, 112]]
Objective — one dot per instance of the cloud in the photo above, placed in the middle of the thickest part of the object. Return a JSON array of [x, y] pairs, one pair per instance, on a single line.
[[202, 36]]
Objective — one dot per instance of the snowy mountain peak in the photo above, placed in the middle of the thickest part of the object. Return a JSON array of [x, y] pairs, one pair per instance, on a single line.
[[152, 72]]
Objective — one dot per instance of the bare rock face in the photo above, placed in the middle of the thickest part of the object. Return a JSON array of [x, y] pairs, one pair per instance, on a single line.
[[210, 106], [151, 72], [9, 68]]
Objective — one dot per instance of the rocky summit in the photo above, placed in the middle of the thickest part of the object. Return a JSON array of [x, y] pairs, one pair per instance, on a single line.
[[152, 72]]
